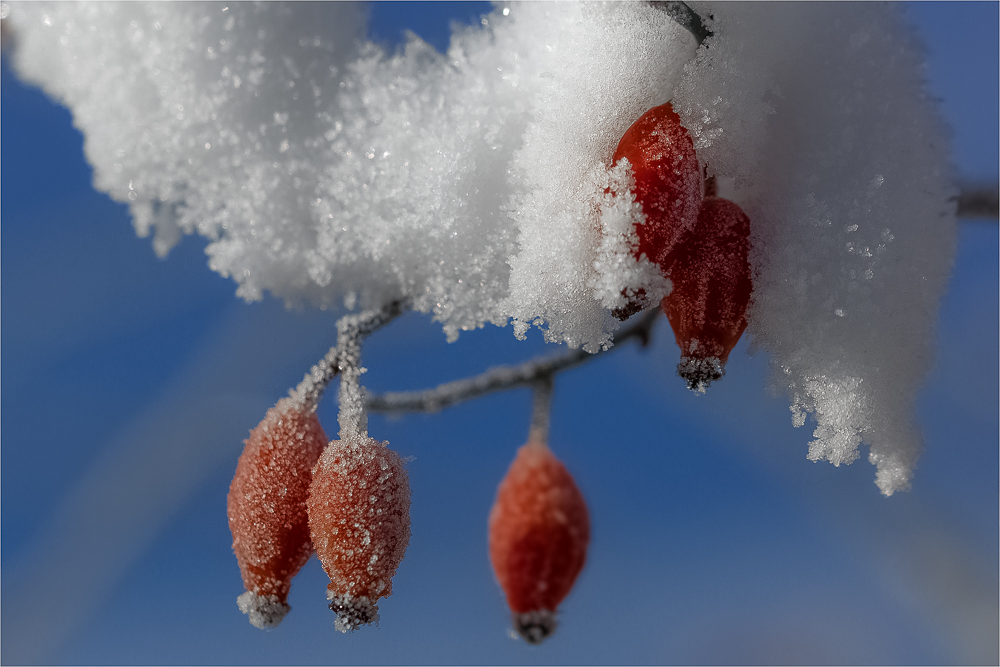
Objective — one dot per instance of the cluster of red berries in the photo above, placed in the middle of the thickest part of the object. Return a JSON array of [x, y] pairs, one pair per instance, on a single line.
[[293, 493], [701, 242], [349, 500]]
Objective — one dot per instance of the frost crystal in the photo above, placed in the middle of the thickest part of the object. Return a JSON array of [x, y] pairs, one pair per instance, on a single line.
[[264, 611], [329, 172]]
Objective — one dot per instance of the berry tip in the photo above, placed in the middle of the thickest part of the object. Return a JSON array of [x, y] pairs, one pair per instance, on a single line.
[[535, 626], [699, 373], [264, 611], [352, 612]]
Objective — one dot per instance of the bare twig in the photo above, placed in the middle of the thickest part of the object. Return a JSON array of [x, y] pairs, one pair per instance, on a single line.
[[499, 378]]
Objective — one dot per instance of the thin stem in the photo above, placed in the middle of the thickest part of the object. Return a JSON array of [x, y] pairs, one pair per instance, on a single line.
[[309, 392], [978, 201], [351, 333], [501, 377], [541, 409]]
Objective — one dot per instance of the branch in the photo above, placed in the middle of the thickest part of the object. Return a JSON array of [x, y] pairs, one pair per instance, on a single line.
[[499, 378], [309, 392], [541, 409], [685, 16], [978, 201], [351, 333]]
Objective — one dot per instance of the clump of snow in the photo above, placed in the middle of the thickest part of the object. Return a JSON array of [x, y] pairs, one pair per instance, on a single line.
[[603, 67], [473, 183], [819, 112], [619, 280]]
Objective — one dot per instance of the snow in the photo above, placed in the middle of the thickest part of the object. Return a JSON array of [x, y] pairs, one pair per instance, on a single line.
[[841, 164], [331, 173]]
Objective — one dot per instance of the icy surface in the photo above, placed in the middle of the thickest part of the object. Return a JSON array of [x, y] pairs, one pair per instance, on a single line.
[[331, 173]]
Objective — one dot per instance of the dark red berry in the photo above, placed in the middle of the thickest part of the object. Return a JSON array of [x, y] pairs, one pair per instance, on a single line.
[[711, 291]]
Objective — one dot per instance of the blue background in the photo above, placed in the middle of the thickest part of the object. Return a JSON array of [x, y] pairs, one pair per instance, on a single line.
[[129, 383]]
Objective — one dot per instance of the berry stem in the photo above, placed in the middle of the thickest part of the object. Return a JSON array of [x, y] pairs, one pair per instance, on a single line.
[[307, 394], [351, 333], [541, 409]]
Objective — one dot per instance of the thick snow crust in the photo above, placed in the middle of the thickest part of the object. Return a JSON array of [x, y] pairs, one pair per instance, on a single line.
[[476, 183]]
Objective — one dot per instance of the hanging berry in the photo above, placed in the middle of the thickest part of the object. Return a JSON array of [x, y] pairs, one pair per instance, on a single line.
[[668, 185], [538, 534], [712, 287], [359, 518], [267, 508]]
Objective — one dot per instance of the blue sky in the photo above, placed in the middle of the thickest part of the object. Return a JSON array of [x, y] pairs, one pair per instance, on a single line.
[[129, 383]]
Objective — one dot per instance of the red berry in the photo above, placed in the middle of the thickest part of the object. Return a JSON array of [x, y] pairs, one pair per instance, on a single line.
[[267, 508], [359, 517], [711, 291], [538, 532], [668, 181]]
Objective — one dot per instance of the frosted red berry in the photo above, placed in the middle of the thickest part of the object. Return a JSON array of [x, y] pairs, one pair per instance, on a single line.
[[539, 530], [267, 508], [711, 291], [668, 183], [359, 518]]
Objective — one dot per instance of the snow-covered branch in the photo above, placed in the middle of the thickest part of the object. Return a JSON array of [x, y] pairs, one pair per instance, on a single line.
[[478, 183]]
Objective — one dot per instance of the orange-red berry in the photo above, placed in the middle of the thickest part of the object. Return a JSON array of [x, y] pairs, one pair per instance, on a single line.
[[267, 508], [711, 291], [539, 529], [359, 517], [668, 184]]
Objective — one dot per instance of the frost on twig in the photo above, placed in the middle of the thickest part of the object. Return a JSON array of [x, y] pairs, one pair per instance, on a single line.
[[541, 409], [308, 392], [352, 330], [499, 378], [351, 333]]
